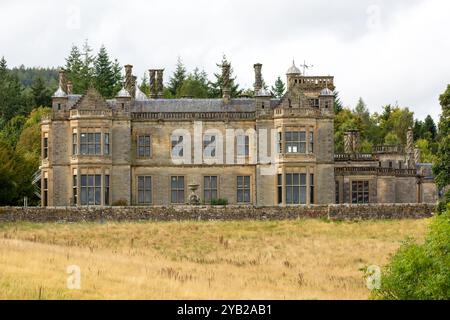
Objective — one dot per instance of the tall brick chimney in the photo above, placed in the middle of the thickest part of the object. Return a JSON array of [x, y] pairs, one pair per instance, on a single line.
[[226, 90], [153, 88], [160, 84], [129, 79], [69, 87], [62, 80], [258, 77]]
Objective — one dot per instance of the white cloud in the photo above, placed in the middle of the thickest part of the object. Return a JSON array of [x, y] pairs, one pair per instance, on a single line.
[[382, 50]]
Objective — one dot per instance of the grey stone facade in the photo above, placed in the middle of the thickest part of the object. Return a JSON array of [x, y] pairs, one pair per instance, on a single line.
[[120, 151]]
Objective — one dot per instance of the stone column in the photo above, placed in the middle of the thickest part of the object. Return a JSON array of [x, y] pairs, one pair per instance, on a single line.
[[226, 90], [153, 89], [62, 80], [129, 79], [160, 84], [258, 77], [348, 142], [69, 87], [356, 141]]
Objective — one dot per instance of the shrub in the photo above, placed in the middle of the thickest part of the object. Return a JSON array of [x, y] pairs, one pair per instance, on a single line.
[[120, 203], [443, 203], [420, 271], [219, 202]]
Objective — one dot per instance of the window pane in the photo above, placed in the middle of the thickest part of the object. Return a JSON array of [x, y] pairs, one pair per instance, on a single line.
[[296, 195], [173, 196], [91, 195], [83, 137], [140, 196], [148, 183], [180, 196], [83, 180], [296, 179], [90, 180], [98, 180], [302, 195], [214, 182], [303, 179], [206, 182], [247, 196], [288, 179], [280, 179], [288, 194], [240, 196], [247, 181], [180, 182], [207, 195], [98, 195], [173, 182]]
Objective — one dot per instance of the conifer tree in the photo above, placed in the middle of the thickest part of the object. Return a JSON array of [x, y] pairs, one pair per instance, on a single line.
[[74, 65], [104, 74], [11, 98], [176, 81], [215, 88], [40, 93], [278, 88]]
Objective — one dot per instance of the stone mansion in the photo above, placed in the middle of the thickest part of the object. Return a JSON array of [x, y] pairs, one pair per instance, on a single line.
[[148, 151]]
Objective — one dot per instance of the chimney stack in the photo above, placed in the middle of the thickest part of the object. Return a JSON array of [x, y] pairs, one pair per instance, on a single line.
[[129, 79], [160, 85], [62, 80], [410, 140], [69, 87], [351, 141], [226, 91], [258, 77], [153, 88]]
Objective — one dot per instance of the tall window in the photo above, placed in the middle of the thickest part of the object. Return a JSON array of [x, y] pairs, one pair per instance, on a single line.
[[279, 142], [311, 188], [280, 188], [45, 188], [106, 143], [143, 146], [360, 191], [243, 145], [295, 141], [311, 142], [90, 143], [45, 148], [209, 145], [74, 188], [295, 188], [177, 189], [74, 143], [91, 186], [106, 189], [336, 188], [210, 188], [144, 189], [177, 146], [243, 189]]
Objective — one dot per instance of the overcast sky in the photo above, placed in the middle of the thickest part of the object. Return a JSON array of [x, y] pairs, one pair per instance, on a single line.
[[384, 51]]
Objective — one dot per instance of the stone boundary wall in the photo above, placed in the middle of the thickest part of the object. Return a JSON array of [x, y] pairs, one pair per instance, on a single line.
[[332, 212]]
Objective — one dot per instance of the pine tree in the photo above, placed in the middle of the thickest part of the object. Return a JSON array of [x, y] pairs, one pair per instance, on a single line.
[[11, 93], [278, 88], [87, 69], [195, 85], [442, 165], [74, 65], [215, 88], [145, 85], [429, 128], [103, 74], [117, 76], [40, 93], [338, 107], [176, 81]]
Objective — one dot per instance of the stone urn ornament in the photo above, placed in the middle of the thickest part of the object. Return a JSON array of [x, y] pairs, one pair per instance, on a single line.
[[194, 199]]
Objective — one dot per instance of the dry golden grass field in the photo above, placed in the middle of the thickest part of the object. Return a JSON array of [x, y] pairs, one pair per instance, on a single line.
[[300, 259]]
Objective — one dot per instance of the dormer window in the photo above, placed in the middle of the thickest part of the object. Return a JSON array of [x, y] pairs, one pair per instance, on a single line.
[[262, 105], [59, 106]]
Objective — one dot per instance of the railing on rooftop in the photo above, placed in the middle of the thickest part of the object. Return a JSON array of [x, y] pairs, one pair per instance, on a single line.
[[375, 171], [355, 157], [387, 149]]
